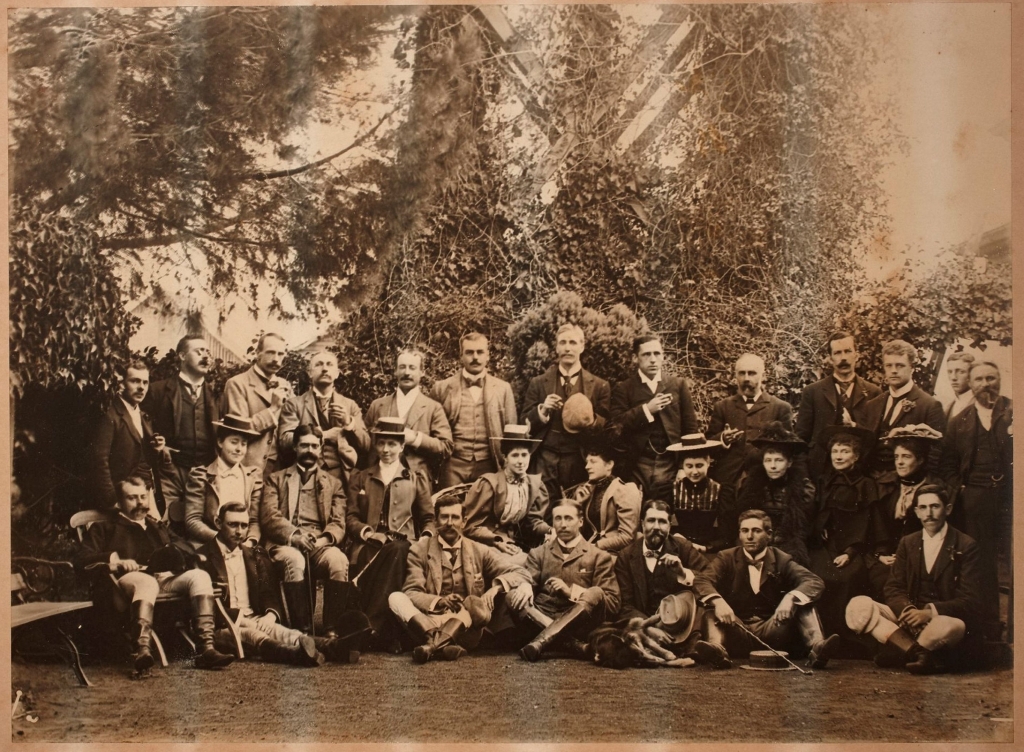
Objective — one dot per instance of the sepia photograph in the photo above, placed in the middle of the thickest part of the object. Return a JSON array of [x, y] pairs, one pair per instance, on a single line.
[[539, 373]]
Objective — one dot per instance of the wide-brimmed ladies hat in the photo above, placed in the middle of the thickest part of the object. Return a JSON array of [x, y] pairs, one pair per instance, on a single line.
[[237, 424], [775, 436], [514, 436], [389, 428], [867, 438], [915, 431], [692, 443]]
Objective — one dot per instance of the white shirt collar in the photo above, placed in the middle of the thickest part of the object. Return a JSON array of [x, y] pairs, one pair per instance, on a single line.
[[905, 389], [759, 557], [939, 536], [470, 377], [457, 546], [132, 408], [329, 395], [652, 383], [389, 472], [964, 399], [141, 523], [189, 380], [571, 544], [225, 552], [647, 548], [410, 395], [575, 370], [261, 373], [224, 469]]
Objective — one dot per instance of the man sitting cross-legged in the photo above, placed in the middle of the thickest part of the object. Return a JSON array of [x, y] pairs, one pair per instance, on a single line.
[[759, 589], [148, 559], [576, 583], [254, 599], [450, 587]]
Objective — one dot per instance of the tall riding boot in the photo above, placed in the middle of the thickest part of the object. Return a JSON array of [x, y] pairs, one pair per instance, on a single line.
[[303, 654], [337, 597], [897, 650], [446, 646], [814, 637], [422, 631], [202, 626], [336, 649], [533, 649], [297, 595], [142, 633]]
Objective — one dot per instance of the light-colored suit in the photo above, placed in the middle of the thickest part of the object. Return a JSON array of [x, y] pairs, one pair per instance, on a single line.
[[247, 396], [202, 501], [499, 406], [301, 410], [426, 416], [281, 496]]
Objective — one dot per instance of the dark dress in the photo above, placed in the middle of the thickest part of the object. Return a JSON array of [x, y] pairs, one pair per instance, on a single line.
[[697, 515], [789, 502]]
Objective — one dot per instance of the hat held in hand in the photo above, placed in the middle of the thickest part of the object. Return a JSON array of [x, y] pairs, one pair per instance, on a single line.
[[578, 413]]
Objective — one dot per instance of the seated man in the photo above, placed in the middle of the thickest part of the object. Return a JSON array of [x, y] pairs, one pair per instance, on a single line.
[[224, 480], [131, 541], [506, 509], [389, 507], [577, 587], [655, 569], [303, 519], [932, 596], [450, 587], [254, 600], [610, 508], [771, 595]]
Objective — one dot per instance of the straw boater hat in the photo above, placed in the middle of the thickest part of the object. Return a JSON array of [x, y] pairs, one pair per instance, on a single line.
[[692, 443], [389, 428], [239, 425], [514, 435], [578, 413], [775, 436], [766, 660]]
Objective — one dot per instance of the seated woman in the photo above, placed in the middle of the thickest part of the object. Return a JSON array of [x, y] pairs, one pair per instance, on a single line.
[[780, 488], [893, 516], [840, 537], [609, 506], [507, 509], [697, 499]]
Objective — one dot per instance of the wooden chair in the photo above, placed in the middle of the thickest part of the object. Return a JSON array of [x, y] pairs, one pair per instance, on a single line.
[[81, 522]]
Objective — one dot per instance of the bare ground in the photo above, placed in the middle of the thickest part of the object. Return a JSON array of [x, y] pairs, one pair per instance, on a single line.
[[490, 698]]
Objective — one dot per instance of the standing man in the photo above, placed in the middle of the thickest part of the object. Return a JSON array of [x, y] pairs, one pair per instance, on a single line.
[[977, 459], [183, 412], [738, 420], [259, 395], [654, 410], [478, 405], [345, 438], [302, 517], [559, 460], [903, 403], [428, 437], [958, 365], [838, 399], [124, 441]]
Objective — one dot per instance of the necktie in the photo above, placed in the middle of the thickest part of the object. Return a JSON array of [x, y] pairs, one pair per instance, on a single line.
[[652, 554], [567, 383], [192, 389], [888, 413], [756, 564], [451, 556]]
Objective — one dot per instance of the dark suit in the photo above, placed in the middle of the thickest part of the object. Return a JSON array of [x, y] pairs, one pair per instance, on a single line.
[[647, 439], [116, 450], [635, 581], [733, 412], [926, 409], [559, 459], [264, 590], [425, 416], [302, 410], [820, 408]]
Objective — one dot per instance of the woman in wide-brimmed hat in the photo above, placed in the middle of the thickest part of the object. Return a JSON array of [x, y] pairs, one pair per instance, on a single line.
[[506, 509], [779, 485], [893, 515], [697, 500]]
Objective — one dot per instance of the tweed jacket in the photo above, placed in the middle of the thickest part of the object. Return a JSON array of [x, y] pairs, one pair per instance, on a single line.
[[627, 410], [819, 409], [202, 501], [426, 416], [620, 513], [485, 503], [595, 388], [246, 395], [411, 511], [482, 567], [780, 574], [732, 411], [264, 588], [586, 566], [161, 404], [956, 574], [631, 574], [280, 499], [301, 410], [959, 443], [116, 450], [499, 406]]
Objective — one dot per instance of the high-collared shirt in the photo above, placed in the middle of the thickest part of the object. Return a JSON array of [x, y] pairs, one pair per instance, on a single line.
[[141, 523], [475, 384], [895, 396], [651, 384], [267, 378], [230, 483], [403, 401], [389, 472], [985, 416], [238, 583], [452, 552], [844, 388], [959, 403], [652, 557], [932, 544], [749, 403], [754, 565], [571, 375], [136, 415], [517, 499], [568, 547], [194, 386]]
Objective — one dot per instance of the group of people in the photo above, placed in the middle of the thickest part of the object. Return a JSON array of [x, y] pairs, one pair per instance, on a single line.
[[594, 520]]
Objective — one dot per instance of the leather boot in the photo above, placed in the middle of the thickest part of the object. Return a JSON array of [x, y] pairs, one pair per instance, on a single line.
[[202, 626], [337, 596], [297, 595], [532, 650], [814, 637], [336, 649], [142, 633], [712, 651], [894, 652], [422, 631], [923, 661], [446, 646], [303, 654]]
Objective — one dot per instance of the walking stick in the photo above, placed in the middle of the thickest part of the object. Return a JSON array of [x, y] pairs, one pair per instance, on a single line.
[[312, 595], [743, 626]]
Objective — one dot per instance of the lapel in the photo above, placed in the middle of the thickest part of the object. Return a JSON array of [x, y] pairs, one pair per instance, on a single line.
[[587, 383], [322, 496], [122, 410], [639, 567], [606, 501], [903, 417], [211, 480], [173, 395], [434, 565], [858, 394], [291, 490], [252, 578], [217, 559], [468, 563], [454, 398], [576, 553], [740, 408], [418, 406], [945, 555], [501, 494], [307, 412], [761, 403], [832, 397], [915, 555], [257, 386], [551, 380]]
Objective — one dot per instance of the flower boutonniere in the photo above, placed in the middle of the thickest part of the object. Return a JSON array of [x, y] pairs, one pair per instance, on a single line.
[[906, 405]]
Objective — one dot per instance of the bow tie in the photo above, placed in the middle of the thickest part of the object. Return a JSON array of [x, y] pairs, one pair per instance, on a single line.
[[749, 400], [756, 564], [516, 480], [474, 382], [653, 554]]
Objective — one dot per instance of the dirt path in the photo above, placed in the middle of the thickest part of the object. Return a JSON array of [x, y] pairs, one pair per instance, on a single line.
[[501, 698]]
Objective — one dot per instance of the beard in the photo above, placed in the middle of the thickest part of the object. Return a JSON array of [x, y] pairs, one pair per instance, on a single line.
[[655, 539]]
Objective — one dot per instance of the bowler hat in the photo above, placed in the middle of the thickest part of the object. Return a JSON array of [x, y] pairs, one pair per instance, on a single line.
[[578, 413], [514, 435], [389, 428], [693, 443], [237, 424]]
